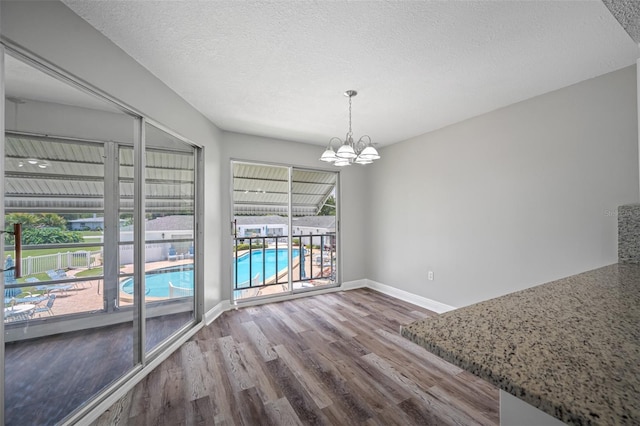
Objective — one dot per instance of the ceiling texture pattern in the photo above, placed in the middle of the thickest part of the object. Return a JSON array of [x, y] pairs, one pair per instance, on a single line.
[[278, 69], [627, 12]]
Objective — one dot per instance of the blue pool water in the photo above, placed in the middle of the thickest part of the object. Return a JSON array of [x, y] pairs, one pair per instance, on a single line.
[[157, 281], [257, 263]]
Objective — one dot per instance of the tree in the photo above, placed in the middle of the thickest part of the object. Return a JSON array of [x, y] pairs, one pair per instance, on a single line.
[[30, 220], [53, 220], [26, 219], [329, 207], [39, 228]]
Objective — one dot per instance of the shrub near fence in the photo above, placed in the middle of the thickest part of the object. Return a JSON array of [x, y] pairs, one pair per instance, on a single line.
[[76, 259]]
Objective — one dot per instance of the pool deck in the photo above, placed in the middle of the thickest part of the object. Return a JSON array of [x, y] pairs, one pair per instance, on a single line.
[[90, 298], [276, 289]]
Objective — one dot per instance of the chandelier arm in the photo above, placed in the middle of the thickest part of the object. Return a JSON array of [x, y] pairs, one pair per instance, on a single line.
[[359, 146], [334, 139], [367, 137]]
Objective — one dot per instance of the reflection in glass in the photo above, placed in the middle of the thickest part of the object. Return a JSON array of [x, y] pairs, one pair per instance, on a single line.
[[313, 192], [169, 234], [57, 150], [70, 181]]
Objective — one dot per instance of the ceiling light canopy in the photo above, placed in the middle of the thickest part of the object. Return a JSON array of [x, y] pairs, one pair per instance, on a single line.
[[350, 152]]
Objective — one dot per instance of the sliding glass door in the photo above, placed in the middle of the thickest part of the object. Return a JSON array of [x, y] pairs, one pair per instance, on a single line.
[[169, 235], [260, 244], [284, 230], [314, 227], [99, 243], [61, 292]]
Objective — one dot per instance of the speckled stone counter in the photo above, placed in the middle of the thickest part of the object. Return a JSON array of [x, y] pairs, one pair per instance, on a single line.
[[629, 233], [571, 347]]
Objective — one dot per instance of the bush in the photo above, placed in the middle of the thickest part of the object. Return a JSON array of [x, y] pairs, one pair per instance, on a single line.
[[241, 247], [35, 236]]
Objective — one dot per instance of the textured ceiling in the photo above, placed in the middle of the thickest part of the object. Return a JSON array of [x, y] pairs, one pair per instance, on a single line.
[[279, 69], [627, 12]]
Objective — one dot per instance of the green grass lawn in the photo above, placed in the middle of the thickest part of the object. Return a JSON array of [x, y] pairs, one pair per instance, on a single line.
[[90, 272], [40, 252], [91, 233]]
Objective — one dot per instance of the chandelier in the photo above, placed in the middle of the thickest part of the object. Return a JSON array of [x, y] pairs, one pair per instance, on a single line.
[[350, 152]]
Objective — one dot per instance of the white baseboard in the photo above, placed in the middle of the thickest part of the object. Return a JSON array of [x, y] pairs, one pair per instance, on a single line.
[[350, 285], [216, 311], [118, 389], [423, 302], [87, 418], [128, 384]]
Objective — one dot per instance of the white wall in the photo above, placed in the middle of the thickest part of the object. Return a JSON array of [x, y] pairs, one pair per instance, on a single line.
[[53, 32], [510, 199], [352, 199]]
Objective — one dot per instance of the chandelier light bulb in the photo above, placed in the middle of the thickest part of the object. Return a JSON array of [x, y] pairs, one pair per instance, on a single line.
[[370, 153], [329, 155], [346, 151]]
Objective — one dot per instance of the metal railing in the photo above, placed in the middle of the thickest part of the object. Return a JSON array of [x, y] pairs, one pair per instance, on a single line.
[[319, 248]]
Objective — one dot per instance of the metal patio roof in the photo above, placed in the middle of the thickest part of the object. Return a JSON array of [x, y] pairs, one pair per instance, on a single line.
[[73, 179], [263, 190]]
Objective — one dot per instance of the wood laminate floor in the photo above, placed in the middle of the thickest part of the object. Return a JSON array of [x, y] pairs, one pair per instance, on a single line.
[[331, 359], [47, 378]]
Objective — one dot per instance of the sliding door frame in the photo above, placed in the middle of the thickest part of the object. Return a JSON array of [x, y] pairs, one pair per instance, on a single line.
[[141, 359], [291, 291], [2, 235]]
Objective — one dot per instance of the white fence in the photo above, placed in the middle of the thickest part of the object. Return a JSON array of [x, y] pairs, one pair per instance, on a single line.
[[175, 291], [71, 259], [90, 259]]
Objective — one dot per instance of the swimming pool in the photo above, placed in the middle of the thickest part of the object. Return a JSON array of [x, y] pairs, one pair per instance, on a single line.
[[258, 267], [157, 281]]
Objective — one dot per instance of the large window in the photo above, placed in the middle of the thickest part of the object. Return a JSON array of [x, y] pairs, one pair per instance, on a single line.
[[100, 276], [284, 234]]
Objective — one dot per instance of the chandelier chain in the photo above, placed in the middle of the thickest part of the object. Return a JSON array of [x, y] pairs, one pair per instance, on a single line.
[[350, 132]]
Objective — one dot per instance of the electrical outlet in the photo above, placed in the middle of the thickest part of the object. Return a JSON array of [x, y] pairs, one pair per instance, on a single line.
[[430, 275]]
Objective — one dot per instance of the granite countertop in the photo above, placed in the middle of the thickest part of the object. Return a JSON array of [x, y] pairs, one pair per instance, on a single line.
[[571, 347]]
